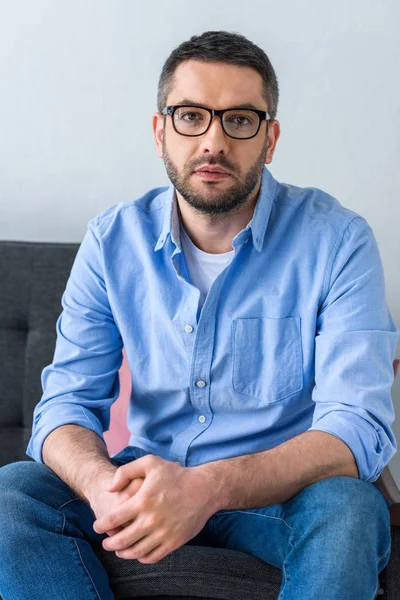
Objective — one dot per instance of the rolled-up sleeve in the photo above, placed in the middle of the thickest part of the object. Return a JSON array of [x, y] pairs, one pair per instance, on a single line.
[[82, 382], [355, 346]]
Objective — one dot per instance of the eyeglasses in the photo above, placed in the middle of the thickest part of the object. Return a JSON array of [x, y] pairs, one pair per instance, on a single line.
[[238, 123]]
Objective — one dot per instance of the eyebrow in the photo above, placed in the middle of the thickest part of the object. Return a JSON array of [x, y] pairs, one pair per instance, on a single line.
[[194, 103]]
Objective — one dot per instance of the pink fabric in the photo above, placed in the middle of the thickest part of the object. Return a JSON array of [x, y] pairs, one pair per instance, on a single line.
[[117, 437]]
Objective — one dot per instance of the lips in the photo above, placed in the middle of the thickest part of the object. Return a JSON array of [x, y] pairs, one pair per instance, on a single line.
[[206, 175], [210, 169]]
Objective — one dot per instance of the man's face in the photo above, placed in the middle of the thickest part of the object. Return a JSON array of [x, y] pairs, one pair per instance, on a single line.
[[219, 86]]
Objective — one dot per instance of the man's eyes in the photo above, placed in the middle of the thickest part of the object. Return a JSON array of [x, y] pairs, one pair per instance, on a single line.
[[192, 116], [239, 120]]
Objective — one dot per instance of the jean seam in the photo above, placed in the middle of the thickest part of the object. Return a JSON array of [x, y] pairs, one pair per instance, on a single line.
[[284, 564], [82, 561], [280, 597], [77, 547], [385, 555], [68, 502], [247, 512]]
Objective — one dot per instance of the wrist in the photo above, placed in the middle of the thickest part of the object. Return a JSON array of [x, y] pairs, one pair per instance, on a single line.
[[98, 482], [216, 484]]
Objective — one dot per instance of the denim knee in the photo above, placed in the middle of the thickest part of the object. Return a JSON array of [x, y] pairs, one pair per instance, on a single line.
[[350, 508], [19, 478], [29, 493], [19, 474], [348, 494], [34, 480], [12, 503]]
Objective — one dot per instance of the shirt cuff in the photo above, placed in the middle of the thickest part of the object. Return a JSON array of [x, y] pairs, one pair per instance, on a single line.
[[372, 450], [56, 416]]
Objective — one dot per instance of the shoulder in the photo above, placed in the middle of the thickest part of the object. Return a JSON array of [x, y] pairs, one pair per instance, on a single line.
[[142, 209], [316, 205]]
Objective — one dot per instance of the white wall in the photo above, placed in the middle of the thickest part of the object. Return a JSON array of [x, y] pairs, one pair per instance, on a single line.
[[78, 88]]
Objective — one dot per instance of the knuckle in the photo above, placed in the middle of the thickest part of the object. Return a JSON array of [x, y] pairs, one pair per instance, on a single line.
[[150, 521], [129, 553], [136, 552], [123, 543], [112, 519], [140, 505], [121, 471], [166, 534], [153, 459]]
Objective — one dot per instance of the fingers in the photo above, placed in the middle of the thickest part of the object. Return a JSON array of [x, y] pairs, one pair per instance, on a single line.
[[119, 516], [114, 531], [157, 554], [125, 473], [140, 549], [125, 495], [126, 538], [130, 490]]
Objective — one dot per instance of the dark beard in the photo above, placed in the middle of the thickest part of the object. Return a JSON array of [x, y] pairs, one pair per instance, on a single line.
[[226, 202]]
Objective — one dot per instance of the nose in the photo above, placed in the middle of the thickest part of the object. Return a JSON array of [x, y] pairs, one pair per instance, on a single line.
[[214, 140]]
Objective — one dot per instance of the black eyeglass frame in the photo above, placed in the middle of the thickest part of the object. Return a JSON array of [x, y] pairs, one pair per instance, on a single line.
[[262, 116]]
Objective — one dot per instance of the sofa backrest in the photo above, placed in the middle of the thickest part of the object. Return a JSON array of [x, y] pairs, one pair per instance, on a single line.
[[33, 277]]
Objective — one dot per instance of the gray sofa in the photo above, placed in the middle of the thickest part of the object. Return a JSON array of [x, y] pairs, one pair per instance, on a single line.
[[33, 278]]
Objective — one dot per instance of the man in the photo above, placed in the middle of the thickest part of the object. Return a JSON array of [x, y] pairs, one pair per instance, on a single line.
[[254, 320]]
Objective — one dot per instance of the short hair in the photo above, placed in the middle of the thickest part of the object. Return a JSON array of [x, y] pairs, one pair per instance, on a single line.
[[221, 46]]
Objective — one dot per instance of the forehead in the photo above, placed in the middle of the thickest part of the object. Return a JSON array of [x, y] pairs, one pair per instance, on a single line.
[[217, 85]]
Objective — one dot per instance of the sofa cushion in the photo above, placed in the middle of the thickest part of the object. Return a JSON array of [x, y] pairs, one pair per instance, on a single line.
[[200, 571]]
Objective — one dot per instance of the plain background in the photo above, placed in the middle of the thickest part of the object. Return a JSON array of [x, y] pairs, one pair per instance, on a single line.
[[78, 90]]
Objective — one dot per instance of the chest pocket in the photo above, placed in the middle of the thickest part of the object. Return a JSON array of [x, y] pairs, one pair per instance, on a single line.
[[267, 358]]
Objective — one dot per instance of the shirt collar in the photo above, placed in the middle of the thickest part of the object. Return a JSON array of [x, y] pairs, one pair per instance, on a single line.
[[257, 225]]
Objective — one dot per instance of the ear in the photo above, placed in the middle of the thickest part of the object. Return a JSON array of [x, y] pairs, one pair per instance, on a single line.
[[274, 131], [158, 130]]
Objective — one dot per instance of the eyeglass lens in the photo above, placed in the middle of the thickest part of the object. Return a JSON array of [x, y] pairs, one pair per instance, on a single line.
[[239, 123]]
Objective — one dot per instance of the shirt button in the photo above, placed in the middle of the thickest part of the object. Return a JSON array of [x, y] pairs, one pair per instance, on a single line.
[[201, 418], [200, 383], [188, 328]]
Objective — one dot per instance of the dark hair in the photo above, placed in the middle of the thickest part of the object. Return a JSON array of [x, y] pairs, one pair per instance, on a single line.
[[221, 46]]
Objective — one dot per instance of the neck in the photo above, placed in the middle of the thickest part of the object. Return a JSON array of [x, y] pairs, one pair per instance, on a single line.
[[214, 233]]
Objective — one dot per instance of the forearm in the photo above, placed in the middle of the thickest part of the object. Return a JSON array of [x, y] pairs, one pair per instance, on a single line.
[[273, 476], [79, 457]]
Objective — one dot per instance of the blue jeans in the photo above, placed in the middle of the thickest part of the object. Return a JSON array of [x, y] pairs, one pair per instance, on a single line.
[[330, 540]]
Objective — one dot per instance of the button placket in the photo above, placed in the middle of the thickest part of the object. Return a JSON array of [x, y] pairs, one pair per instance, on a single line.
[[202, 343]]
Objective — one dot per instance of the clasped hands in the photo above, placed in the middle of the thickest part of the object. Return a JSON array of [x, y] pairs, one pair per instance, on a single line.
[[171, 506]]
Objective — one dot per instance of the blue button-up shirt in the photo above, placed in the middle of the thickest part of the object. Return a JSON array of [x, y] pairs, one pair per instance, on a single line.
[[295, 334]]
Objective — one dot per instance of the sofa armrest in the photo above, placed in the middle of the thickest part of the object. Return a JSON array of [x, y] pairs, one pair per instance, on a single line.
[[388, 487]]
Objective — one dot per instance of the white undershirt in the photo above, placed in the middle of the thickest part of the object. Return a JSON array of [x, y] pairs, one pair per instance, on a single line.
[[203, 267]]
